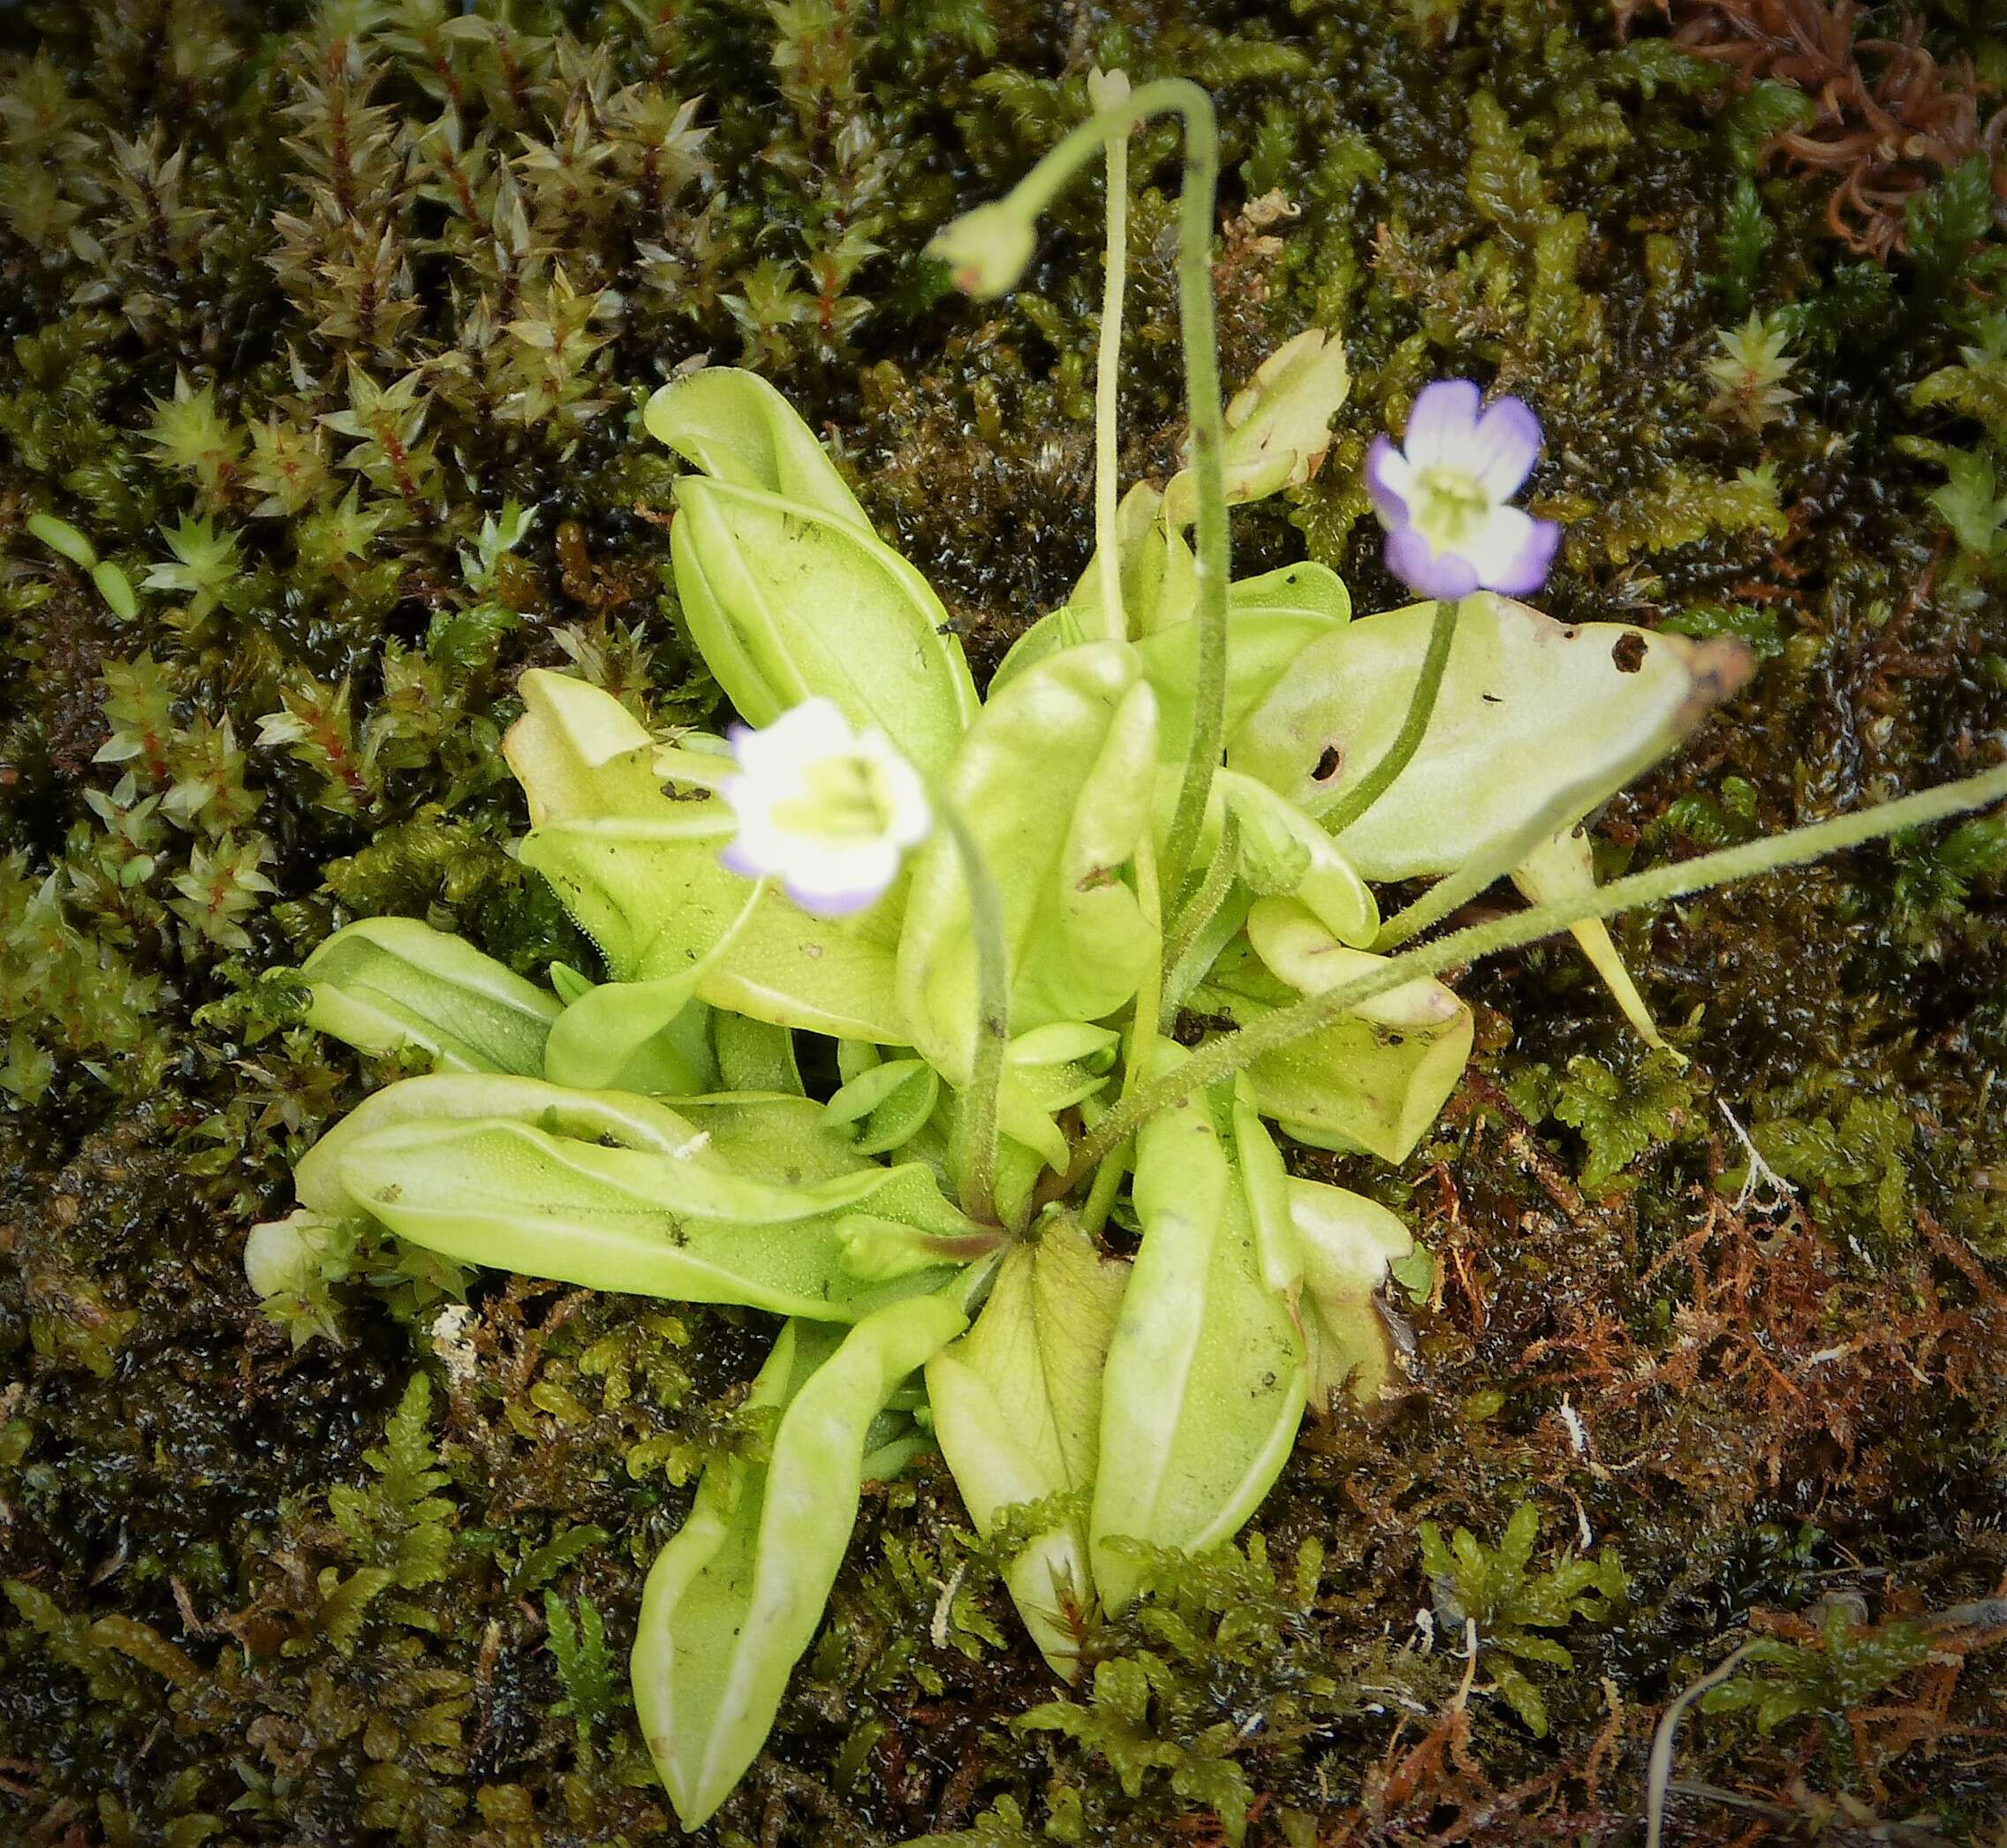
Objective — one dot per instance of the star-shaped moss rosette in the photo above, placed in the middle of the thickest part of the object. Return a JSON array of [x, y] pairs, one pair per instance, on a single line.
[[1174, 802]]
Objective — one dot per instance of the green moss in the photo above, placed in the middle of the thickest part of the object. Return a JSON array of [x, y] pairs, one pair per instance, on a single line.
[[1492, 1594], [1622, 1113]]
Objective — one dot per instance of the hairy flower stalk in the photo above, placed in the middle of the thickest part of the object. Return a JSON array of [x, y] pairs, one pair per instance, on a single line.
[[1105, 90], [1234, 1052], [987, 250]]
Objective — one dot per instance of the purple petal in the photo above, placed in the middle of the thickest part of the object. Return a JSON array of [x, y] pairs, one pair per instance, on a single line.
[[734, 858], [1505, 447], [1387, 472], [1527, 569], [842, 903], [1428, 572], [1441, 424]]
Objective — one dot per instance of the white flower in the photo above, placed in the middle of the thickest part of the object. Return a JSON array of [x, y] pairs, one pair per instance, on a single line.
[[826, 810], [1445, 500]]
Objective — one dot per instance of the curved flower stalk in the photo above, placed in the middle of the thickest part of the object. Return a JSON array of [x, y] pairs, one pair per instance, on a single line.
[[990, 912]]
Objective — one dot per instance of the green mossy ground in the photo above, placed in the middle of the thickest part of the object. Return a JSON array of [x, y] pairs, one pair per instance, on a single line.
[[292, 305]]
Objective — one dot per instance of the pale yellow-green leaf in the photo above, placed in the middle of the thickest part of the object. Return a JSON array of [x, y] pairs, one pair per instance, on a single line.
[[1372, 1081], [1346, 1243], [736, 427], [1056, 781], [1017, 1409], [1283, 854], [1278, 425], [1205, 1378], [578, 750], [787, 604], [736, 1597], [1271, 620], [383, 983], [610, 1117], [652, 892], [1528, 707], [636, 1035], [1563, 867], [613, 1192]]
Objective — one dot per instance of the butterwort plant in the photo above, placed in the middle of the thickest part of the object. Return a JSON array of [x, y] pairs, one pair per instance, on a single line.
[[1085, 954]]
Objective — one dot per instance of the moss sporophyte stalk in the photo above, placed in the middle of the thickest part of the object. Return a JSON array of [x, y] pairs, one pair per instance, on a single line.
[[1068, 963]]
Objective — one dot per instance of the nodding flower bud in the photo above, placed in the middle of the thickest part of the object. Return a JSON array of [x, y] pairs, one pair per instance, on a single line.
[[987, 249]]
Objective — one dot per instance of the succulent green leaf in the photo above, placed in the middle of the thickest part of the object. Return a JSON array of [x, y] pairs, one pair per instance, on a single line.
[[756, 1056], [1160, 583], [609, 1117], [1048, 1070], [578, 750], [652, 894], [890, 1102], [1056, 781], [786, 602], [385, 983], [1205, 1377], [519, 1176], [1022, 1158], [1346, 1244], [1372, 1082], [1278, 425], [512, 1197], [774, 1136], [1284, 854], [639, 871], [646, 1036], [1055, 629], [781, 605], [735, 1598], [1271, 619], [734, 427], [1563, 867], [1017, 1409], [1528, 707]]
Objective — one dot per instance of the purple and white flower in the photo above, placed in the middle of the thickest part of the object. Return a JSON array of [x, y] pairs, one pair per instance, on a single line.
[[828, 811], [1444, 498]]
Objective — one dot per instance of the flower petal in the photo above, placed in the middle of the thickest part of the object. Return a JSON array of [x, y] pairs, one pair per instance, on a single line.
[[734, 858], [1442, 423], [909, 819], [828, 811], [833, 882], [1514, 552], [1390, 482], [1426, 572], [814, 728], [1504, 447]]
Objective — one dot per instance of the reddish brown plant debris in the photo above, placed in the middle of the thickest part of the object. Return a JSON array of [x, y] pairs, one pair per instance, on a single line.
[[1890, 118]]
